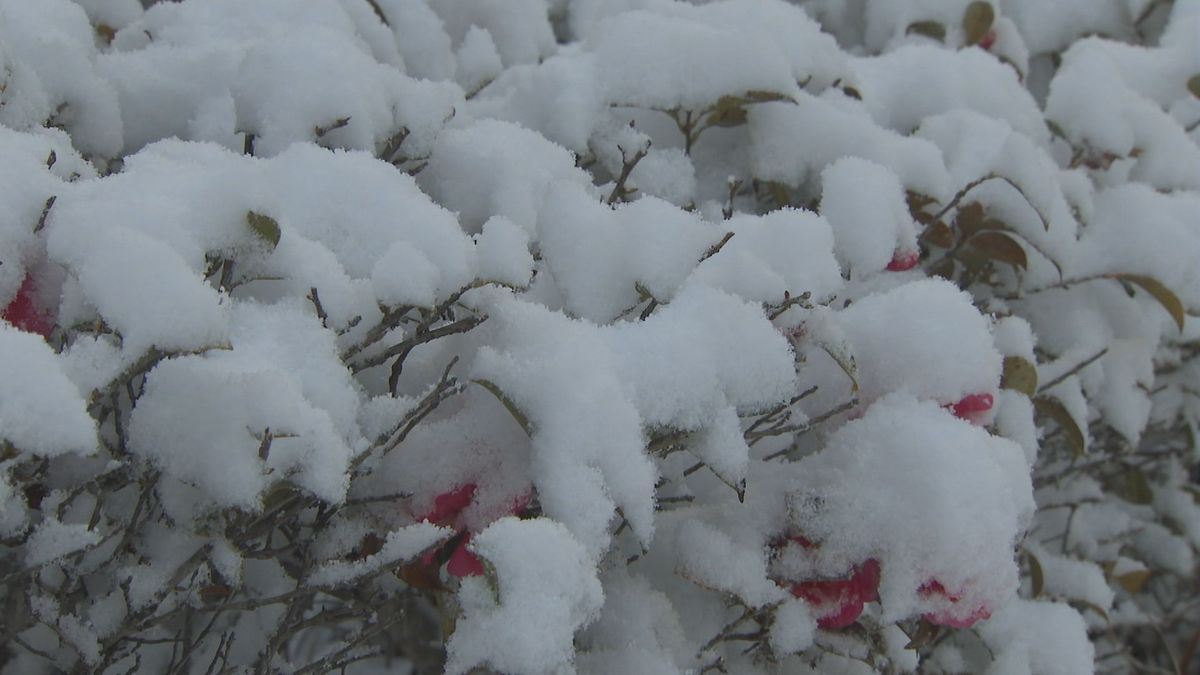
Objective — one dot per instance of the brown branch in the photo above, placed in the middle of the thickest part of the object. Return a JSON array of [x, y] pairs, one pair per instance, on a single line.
[[1080, 366], [315, 299], [41, 222], [808, 426], [402, 349], [712, 250], [619, 192]]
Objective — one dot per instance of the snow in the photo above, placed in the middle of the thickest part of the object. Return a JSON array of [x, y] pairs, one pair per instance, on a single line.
[[588, 455], [203, 419], [1050, 27], [142, 288], [695, 64], [794, 628], [504, 256], [785, 251], [864, 203], [1067, 578], [54, 39], [902, 446], [400, 545], [637, 629], [1077, 101], [600, 257], [946, 353], [545, 589], [479, 445], [52, 540], [41, 411], [1030, 636], [712, 559], [783, 149], [560, 98], [279, 111], [969, 78], [492, 167], [478, 61], [520, 28]]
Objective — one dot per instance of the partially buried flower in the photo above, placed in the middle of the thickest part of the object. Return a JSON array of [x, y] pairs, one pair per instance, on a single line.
[[955, 612], [24, 313], [447, 511]]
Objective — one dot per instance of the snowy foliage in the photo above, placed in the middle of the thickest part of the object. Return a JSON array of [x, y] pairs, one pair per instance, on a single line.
[[600, 336]]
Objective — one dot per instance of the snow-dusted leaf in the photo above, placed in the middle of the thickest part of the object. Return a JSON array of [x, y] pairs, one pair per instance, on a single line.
[[1134, 581], [1000, 247], [1037, 577], [546, 590], [264, 227], [930, 29], [1165, 296], [1019, 375], [1132, 485], [977, 21], [401, 545], [1055, 410]]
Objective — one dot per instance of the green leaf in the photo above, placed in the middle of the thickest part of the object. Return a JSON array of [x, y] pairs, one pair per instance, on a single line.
[[945, 269], [508, 405], [1055, 410], [1133, 581], [730, 110], [727, 115], [1000, 247], [918, 201], [924, 636], [940, 234], [1165, 296], [761, 96], [841, 355], [1036, 576], [930, 29], [1193, 85], [1092, 606], [977, 21], [969, 218], [1132, 486], [278, 494], [1056, 129], [1019, 375], [264, 227]]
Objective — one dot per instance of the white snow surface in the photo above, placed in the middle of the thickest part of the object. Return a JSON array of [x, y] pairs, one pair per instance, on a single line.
[[545, 590]]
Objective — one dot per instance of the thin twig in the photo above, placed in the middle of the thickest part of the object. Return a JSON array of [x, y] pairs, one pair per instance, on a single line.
[[619, 192], [810, 425], [1075, 369], [315, 299]]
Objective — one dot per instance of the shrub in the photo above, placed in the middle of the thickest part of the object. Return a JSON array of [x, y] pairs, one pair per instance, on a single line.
[[546, 336]]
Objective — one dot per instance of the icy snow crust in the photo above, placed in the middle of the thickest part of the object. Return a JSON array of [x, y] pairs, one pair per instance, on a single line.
[[601, 337]]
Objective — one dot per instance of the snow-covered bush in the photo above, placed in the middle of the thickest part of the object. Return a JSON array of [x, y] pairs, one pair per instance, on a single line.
[[600, 336]]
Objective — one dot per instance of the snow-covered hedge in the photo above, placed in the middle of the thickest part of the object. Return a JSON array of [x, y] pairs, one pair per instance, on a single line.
[[599, 336]]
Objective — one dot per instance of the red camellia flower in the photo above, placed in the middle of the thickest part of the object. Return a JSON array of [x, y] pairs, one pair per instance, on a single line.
[[447, 507], [838, 603], [23, 312], [973, 406], [903, 261], [957, 616], [462, 562]]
